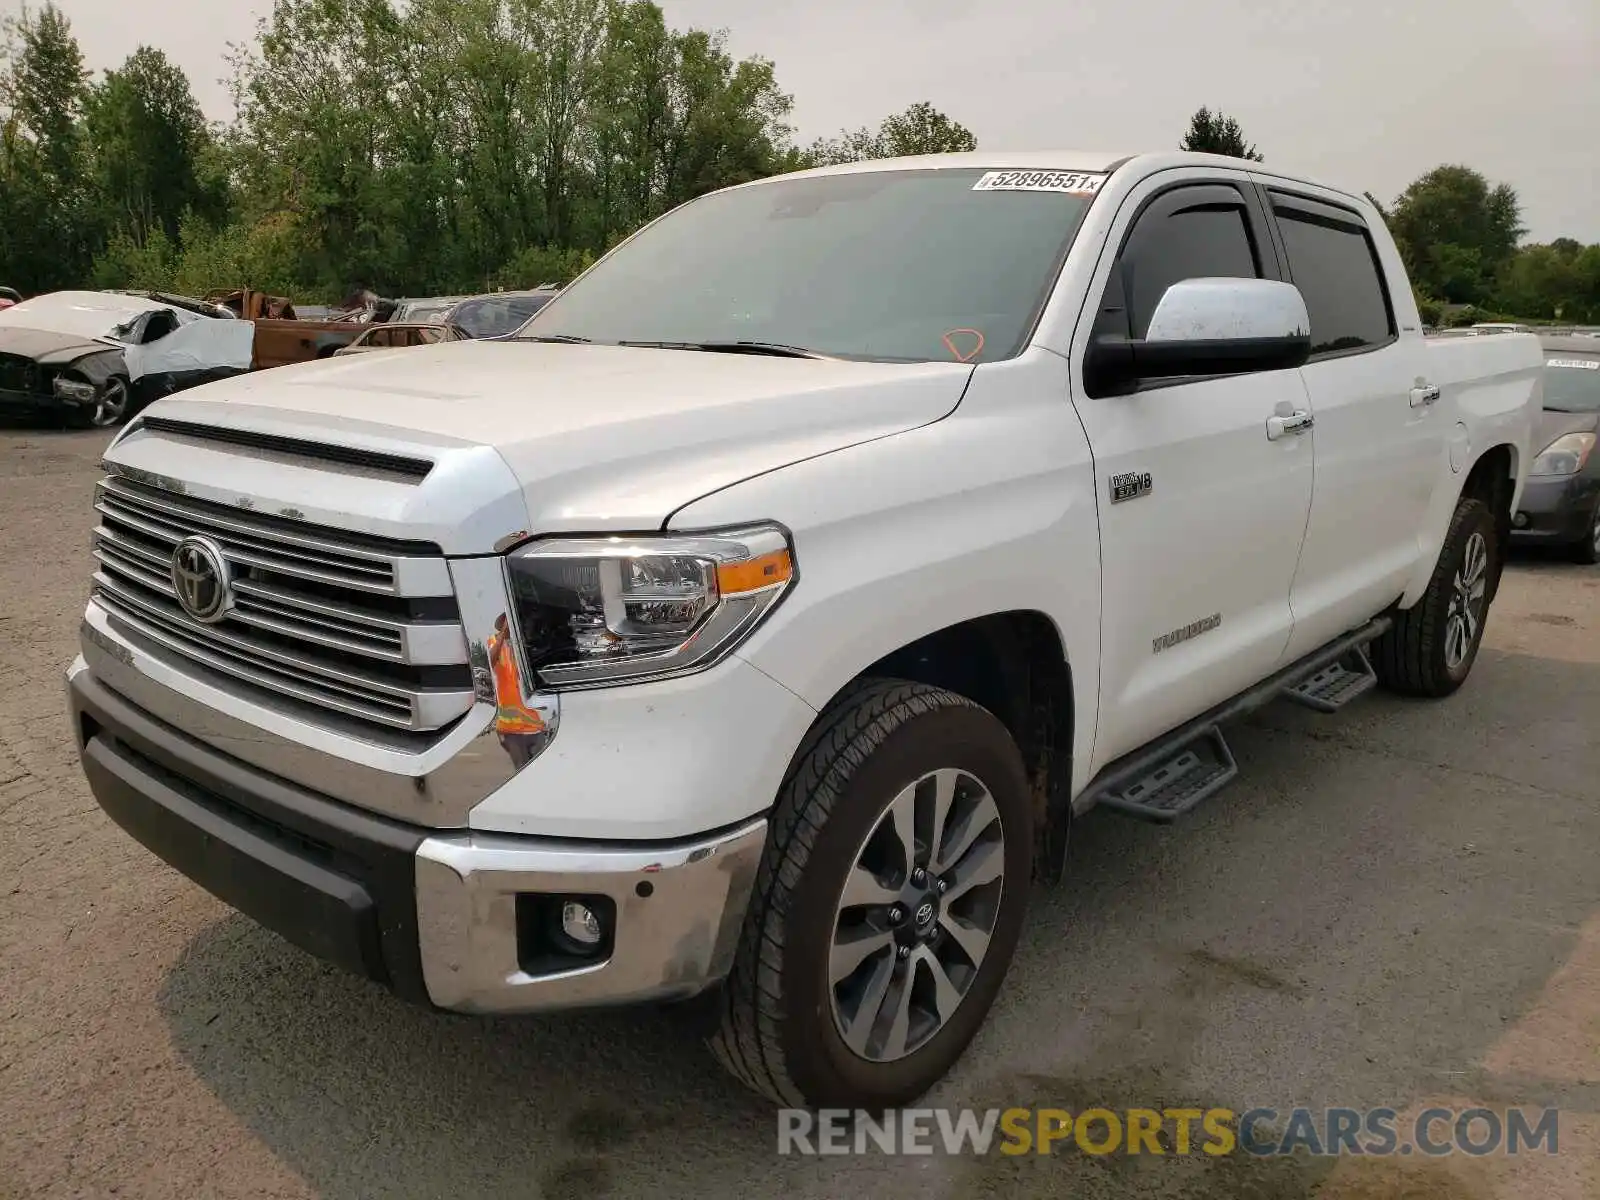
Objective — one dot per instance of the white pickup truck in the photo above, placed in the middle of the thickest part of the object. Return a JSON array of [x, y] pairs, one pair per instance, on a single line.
[[755, 623]]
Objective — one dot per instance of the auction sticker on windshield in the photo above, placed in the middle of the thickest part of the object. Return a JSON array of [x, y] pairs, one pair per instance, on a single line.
[[1581, 364], [1073, 183]]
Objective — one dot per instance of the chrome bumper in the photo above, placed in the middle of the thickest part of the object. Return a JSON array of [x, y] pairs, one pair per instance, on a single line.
[[440, 917], [678, 912]]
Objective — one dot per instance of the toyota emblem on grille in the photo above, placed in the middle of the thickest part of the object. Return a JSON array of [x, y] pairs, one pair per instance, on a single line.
[[200, 576]]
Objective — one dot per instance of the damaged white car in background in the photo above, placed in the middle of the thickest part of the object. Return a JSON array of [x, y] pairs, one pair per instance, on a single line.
[[95, 358]]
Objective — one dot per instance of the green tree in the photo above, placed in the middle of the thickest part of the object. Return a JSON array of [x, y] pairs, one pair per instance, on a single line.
[[1217, 133], [1559, 281], [149, 138], [921, 129], [314, 96], [434, 152], [47, 233], [1456, 232], [1586, 268]]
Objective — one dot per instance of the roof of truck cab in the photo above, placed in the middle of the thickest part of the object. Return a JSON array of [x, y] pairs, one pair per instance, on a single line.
[[1567, 344], [1095, 161], [997, 160]]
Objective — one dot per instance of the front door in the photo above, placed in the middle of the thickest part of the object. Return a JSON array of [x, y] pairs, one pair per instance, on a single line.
[[1201, 511]]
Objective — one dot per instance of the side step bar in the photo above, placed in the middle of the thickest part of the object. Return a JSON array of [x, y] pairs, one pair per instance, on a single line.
[[1165, 779], [1338, 683], [1191, 773]]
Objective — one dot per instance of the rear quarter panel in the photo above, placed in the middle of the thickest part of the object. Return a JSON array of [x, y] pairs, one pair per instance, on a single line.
[[1494, 388]]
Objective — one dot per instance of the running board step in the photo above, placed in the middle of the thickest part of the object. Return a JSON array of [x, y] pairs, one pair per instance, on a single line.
[[1193, 772], [1336, 684]]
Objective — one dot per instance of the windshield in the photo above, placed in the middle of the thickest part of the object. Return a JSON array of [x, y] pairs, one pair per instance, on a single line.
[[1572, 384], [496, 316], [904, 266]]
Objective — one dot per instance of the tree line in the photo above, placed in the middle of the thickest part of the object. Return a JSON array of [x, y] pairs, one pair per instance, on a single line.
[[463, 145]]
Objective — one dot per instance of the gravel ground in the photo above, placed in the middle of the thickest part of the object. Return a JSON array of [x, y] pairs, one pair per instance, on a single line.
[[1395, 905]]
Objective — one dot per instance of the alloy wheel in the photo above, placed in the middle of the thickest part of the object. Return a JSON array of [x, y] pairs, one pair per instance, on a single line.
[[916, 914], [1464, 617], [110, 406]]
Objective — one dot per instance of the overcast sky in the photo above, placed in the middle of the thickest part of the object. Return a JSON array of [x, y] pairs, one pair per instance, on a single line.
[[1365, 94]]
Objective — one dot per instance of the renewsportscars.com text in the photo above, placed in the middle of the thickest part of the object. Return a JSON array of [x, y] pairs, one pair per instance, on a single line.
[[1215, 1132]]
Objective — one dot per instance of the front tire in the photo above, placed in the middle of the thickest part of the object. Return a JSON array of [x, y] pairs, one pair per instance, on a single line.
[[888, 904], [1431, 647], [110, 409], [1587, 549]]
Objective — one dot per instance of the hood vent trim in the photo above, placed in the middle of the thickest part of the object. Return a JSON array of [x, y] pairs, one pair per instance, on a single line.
[[415, 469]]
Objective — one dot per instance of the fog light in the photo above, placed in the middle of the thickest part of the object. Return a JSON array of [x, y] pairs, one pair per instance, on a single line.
[[562, 932], [1520, 520], [580, 924]]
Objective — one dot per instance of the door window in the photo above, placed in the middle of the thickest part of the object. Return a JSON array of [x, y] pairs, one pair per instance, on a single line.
[[1194, 232], [1334, 264]]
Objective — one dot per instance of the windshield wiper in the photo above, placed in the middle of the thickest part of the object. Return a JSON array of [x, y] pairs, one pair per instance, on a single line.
[[566, 339], [775, 349]]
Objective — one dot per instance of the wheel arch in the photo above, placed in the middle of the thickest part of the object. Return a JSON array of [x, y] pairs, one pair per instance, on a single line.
[[1492, 478], [1014, 664]]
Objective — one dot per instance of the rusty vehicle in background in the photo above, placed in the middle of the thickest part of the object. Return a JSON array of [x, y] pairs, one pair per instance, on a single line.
[[282, 337], [391, 335]]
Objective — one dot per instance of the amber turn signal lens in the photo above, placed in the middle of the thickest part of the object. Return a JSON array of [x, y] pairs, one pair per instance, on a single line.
[[758, 573]]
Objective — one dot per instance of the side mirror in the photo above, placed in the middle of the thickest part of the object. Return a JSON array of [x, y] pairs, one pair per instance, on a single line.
[[1210, 327]]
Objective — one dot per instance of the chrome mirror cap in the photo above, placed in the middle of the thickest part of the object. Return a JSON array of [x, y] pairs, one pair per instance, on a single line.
[[1229, 310]]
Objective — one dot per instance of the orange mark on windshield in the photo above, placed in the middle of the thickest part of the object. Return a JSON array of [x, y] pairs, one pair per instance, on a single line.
[[977, 348]]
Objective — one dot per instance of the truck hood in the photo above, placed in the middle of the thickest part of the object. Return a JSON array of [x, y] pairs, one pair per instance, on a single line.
[[598, 438]]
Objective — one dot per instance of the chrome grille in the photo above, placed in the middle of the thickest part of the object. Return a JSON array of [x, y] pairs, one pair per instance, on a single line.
[[366, 629]]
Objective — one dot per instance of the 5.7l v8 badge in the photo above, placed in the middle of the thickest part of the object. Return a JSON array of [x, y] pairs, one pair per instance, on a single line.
[[1130, 485]]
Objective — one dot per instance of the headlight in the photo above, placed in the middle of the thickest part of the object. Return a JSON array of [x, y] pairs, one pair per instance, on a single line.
[[594, 611], [1564, 456], [74, 389]]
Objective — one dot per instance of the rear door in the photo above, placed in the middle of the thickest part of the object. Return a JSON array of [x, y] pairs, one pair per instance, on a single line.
[[1380, 425], [1201, 512]]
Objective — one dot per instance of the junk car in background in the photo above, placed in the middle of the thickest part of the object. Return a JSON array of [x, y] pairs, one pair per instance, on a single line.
[[92, 359]]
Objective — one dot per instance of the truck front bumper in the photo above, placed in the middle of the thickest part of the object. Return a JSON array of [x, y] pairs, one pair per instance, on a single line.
[[465, 921]]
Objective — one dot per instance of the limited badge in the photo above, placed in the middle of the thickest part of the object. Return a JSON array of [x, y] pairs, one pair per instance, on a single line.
[[1072, 183], [1130, 485]]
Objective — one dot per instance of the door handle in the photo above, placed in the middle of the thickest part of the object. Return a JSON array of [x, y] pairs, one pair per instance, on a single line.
[[1296, 422], [1427, 394]]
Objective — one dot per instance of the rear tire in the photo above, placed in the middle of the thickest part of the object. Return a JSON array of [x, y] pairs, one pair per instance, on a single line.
[[858, 982], [1431, 647]]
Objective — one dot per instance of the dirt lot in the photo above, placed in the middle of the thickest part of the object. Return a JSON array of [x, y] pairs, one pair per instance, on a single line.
[[1398, 905]]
